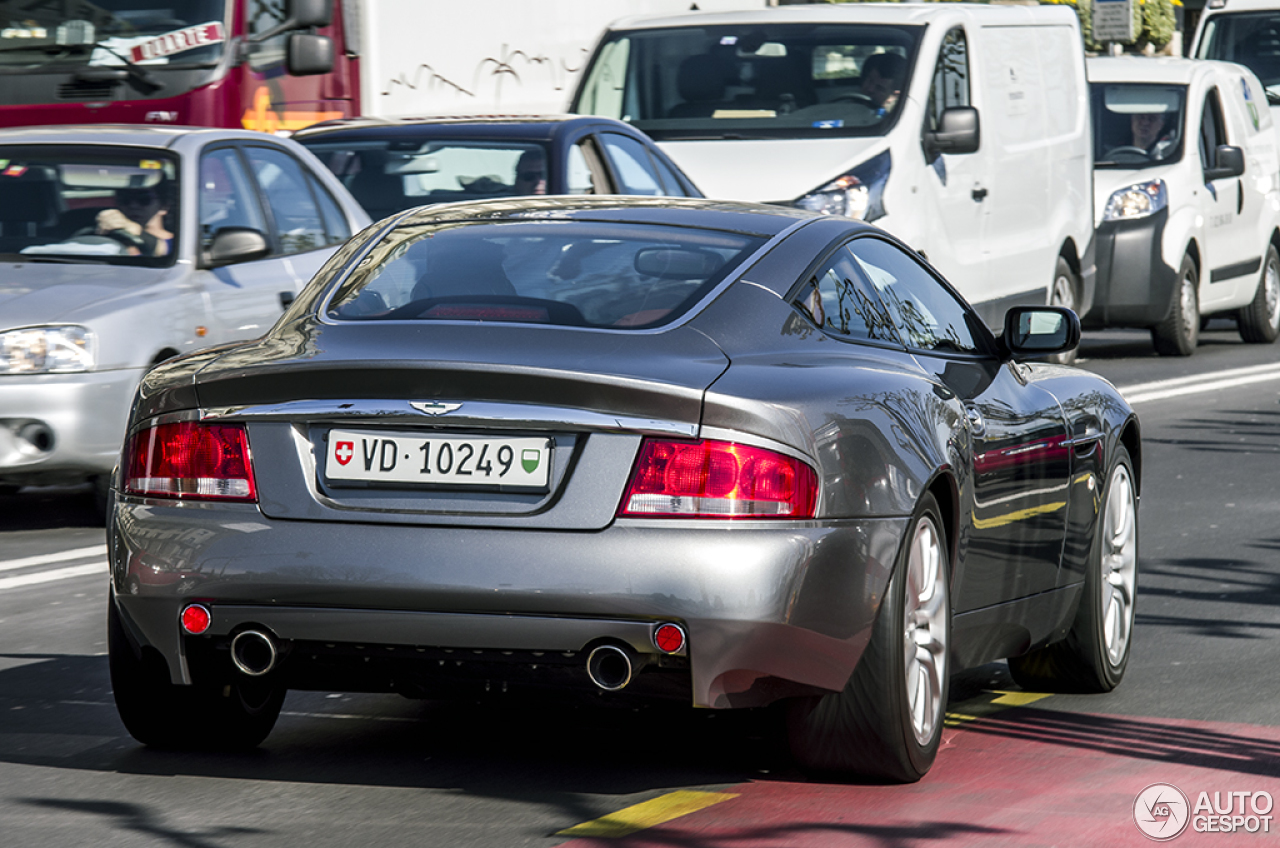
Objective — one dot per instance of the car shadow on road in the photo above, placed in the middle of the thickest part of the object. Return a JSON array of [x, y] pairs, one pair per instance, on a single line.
[[49, 508]]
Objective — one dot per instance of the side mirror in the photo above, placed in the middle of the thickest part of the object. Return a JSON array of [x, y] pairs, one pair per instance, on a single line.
[[1040, 330], [1229, 162], [307, 55], [310, 13], [958, 132], [231, 245]]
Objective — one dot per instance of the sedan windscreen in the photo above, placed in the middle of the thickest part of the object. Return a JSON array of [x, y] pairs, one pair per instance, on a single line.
[[570, 273], [89, 204], [753, 80]]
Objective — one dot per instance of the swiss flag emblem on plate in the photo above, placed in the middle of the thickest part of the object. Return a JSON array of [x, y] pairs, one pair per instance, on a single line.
[[343, 451]]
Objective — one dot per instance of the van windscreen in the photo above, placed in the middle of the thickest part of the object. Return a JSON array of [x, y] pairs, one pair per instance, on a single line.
[[753, 81], [1137, 125], [1251, 39]]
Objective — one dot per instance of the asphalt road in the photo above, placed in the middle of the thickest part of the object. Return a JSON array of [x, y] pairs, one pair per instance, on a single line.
[[1198, 708]]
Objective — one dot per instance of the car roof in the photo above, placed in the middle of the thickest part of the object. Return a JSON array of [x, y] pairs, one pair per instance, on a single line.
[[1147, 69], [750, 218], [141, 135], [530, 127], [872, 13]]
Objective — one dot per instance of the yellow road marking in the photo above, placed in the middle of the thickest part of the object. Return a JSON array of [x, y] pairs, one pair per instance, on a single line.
[[664, 808], [976, 709], [1019, 698]]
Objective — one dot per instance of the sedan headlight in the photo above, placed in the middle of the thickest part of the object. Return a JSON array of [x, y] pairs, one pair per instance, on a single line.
[[857, 194], [44, 350], [1136, 201]]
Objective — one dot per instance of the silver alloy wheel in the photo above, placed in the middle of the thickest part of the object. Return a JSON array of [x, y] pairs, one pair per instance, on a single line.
[[1190, 313], [1119, 564], [1271, 290], [925, 609]]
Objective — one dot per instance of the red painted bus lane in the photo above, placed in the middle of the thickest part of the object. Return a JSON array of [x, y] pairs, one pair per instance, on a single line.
[[1021, 777]]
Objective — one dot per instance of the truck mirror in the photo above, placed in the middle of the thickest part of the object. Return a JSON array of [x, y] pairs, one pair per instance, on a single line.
[[306, 55], [310, 13], [1228, 162], [958, 132]]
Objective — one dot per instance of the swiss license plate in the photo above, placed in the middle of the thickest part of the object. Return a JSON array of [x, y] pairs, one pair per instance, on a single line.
[[454, 460]]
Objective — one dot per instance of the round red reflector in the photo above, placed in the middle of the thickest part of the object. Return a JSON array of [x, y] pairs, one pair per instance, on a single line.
[[669, 638], [195, 619]]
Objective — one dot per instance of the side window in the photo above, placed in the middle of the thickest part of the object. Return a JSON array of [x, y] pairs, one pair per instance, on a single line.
[[927, 315], [632, 165], [1213, 131], [298, 225], [582, 176], [262, 15], [227, 196], [674, 187], [950, 85], [335, 223], [838, 300]]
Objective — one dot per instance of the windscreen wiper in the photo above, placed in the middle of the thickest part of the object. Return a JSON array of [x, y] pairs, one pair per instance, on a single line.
[[143, 81]]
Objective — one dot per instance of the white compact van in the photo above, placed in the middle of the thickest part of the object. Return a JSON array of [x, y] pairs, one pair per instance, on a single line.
[[1246, 32], [963, 130], [1186, 199]]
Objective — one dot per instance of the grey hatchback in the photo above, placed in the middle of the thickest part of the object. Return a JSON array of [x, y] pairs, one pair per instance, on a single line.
[[122, 246]]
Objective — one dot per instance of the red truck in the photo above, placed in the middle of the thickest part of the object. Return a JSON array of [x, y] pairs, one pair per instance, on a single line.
[[258, 64]]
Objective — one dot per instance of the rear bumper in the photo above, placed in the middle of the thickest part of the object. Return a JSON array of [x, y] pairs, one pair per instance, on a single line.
[[770, 610]]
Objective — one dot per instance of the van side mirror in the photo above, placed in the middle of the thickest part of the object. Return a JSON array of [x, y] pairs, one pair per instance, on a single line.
[[307, 55], [1228, 162], [958, 132], [235, 244], [1040, 330]]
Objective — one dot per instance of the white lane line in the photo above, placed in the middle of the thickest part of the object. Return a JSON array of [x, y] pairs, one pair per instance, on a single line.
[[1181, 386], [56, 574], [48, 559]]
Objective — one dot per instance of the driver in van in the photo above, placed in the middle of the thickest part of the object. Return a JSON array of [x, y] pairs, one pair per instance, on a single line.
[[1151, 133], [881, 79]]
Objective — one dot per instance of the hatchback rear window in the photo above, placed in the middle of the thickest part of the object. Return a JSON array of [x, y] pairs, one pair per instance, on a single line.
[[569, 273]]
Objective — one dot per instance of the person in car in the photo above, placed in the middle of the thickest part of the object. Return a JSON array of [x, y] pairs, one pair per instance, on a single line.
[[881, 79], [1151, 133], [138, 220], [531, 172]]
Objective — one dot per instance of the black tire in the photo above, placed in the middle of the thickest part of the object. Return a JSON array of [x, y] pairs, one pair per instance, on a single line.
[[868, 728], [1259, 322], [1065, 292], [1089, 659], [1179, 332], [235, 715]]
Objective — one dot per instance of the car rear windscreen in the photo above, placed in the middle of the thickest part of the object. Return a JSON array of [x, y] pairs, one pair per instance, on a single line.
[[567, 273]]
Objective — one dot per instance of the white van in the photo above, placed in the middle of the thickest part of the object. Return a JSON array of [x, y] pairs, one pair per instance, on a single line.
[[1186, 199], [981, 160], [1246, 32]]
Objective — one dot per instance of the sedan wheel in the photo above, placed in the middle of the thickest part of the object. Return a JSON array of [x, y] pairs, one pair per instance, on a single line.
[[1095, 653], [1260, 320], [887, 722]]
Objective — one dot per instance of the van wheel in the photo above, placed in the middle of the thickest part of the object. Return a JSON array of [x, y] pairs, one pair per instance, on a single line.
[[1179, 332], [1095, 653], [887, 721], [1260, 320], [1063, 293]]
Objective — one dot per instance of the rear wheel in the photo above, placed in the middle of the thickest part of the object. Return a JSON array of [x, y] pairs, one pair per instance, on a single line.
[[228, 716], [1063, 293], [1095, 653], [887, 721], [1260, 320], [1179, 332]]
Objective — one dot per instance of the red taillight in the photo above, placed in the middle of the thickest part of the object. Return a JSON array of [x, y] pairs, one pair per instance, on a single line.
[[718, 480], [669, 638], [196, 618], [192, 461]]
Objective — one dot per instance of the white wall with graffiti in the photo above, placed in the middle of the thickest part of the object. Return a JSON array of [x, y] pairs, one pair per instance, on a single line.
[[433, 57]]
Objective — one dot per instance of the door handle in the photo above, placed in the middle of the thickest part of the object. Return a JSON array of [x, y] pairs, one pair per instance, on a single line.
[[979, 194], [1239, 196]]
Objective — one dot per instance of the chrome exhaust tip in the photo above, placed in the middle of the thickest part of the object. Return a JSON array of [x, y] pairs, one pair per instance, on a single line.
[[609, 667], [253, 652]]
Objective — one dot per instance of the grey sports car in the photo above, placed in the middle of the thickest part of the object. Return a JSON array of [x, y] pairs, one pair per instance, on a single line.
[[723, 454]]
